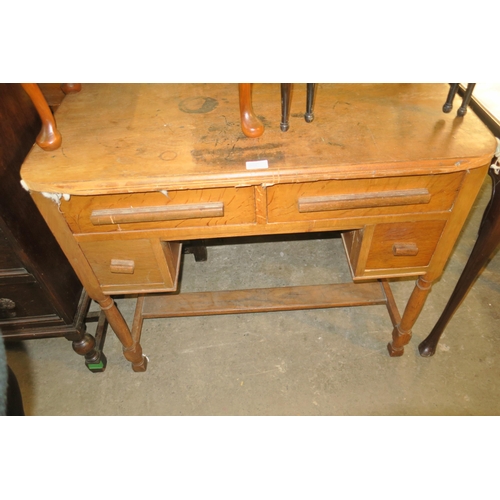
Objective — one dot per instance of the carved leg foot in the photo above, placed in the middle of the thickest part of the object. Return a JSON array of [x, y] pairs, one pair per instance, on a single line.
[[401, 334], [399, 340], [95, 360], [427, 348]]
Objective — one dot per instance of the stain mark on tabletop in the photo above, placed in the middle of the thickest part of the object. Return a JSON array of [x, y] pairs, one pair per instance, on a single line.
[[198, 104], [238, 155], [168, 155]]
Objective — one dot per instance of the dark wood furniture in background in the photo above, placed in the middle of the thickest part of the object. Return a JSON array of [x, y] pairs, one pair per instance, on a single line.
[[40, 295], [488, 239]]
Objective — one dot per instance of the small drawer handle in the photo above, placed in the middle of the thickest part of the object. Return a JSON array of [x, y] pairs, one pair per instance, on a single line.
[[404, 249], [119, 266], [156, 214], [7, 307], [364, 200]]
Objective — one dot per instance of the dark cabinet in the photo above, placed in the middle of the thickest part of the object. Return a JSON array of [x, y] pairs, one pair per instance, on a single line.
[[40, 295]]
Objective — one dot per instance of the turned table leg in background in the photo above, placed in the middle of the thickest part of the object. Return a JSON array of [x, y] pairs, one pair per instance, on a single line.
[[132, 350], [487, 242], [401, 334]]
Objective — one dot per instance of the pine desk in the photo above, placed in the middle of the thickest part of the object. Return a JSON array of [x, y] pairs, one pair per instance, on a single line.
[[143, 168]]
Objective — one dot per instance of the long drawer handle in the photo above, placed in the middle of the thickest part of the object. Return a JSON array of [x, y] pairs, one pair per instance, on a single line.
[[155, 214], [364, 200]]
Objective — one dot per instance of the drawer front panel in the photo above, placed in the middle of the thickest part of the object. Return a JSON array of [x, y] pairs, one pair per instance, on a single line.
[[134, 265], [407, 245], [22, 300], [191, 208], [361, 198], [8, 258]]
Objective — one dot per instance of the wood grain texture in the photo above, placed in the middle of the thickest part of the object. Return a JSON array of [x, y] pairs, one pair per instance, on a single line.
[[364, 200], [263, 300], [381, 162], [188, 136], [154, 214]]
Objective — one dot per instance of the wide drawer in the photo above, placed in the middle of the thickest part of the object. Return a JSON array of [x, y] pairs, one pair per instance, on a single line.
[[134, 266], [160, 210], [392, 249], [20, 298], [338, 199]]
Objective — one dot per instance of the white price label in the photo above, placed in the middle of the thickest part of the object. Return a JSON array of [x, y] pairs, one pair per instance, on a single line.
[[257, 165]]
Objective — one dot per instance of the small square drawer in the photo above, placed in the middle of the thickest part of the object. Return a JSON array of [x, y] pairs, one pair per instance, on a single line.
[[392, 249], [134, 266], [160, 210], [337, 199]]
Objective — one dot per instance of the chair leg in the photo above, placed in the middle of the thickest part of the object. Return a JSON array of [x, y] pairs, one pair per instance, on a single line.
[[311, 92], [71, 88], [486, 244], [448, 105], [250, 124], [286, 98], [462, 110], [49, 138]]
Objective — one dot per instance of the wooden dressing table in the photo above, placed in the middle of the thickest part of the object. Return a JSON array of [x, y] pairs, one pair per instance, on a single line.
[[143, 168]]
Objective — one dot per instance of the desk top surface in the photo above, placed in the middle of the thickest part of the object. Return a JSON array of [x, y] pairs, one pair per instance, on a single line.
[[149, 137]]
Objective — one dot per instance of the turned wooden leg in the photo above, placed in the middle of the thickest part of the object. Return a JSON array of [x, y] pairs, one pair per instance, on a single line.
[[448, 105], [462, 110], [49, 138], [95, 360], [286, 99], [311, 92], [132, 350], [250, 124], [71, 88], [198, 249], [487, 242], [85, 344], [401, 334]]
